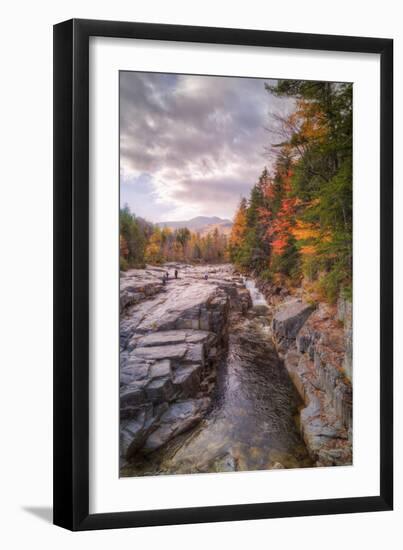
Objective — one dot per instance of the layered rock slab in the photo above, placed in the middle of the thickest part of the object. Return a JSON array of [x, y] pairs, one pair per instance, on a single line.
[[288, 320], [170, 345]]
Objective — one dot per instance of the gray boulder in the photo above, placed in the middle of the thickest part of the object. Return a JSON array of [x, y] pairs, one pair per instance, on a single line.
[[179, 418], [187, 380], [161, 369], [166, 337], [132, 395], [156, 353], [289, 319], [134, 432], [159, 390]]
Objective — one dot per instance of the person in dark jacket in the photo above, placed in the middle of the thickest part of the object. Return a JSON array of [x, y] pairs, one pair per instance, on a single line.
[[176, 273]]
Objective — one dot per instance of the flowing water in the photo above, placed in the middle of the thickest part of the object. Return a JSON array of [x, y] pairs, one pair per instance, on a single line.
[[253, 423], [258, 300]]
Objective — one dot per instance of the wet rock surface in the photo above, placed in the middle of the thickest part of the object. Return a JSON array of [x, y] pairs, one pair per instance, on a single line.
[[250, 424], [172, 337]]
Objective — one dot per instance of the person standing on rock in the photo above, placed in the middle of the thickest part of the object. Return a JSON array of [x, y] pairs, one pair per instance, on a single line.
[[206, 276], [164, 279], [176, 273], [167, 275]]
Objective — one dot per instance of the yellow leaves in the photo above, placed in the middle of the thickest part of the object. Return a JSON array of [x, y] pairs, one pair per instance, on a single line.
[[123, 248], [304, 230], [310, 121], [309, 250], [153, 250], [238, 228], [156, 238], [166, 233], [153, 253], [308, 235]]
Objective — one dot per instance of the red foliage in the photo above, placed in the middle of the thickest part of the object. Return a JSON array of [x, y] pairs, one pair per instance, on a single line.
[[279, 225]]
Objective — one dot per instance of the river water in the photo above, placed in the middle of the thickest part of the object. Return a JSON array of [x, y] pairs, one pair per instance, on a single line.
[[258, 300], [253, 423]]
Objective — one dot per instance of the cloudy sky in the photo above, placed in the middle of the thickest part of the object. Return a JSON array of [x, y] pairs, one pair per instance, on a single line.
[[192, 145]]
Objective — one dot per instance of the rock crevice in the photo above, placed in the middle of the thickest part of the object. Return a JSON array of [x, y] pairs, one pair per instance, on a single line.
[[312, 344]]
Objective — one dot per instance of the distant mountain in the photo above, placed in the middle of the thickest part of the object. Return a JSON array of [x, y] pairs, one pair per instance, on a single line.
[[201, 224]]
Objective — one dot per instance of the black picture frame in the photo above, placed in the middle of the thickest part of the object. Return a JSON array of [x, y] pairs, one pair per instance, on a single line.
[[71, 274]]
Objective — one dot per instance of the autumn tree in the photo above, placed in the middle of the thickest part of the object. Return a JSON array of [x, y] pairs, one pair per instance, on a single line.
[[133, 234], [298, 219], [238, 231], [248, 243], [323, 176], [154, 248]]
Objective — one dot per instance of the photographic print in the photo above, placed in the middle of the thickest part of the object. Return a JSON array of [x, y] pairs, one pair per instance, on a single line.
[[204, 222], [235, 244]]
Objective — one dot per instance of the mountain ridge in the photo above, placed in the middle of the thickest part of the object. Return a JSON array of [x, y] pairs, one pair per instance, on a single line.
[[200, 224]]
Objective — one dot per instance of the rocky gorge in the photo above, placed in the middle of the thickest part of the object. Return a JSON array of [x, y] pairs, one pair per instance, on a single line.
[[217, 376], [312, 344]]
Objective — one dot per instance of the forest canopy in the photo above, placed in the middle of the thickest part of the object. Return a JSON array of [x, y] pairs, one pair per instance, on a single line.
[[297, 221], [142, 242]]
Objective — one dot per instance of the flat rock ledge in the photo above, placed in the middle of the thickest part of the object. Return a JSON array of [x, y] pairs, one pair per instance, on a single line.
[[137, 284], [172, 338], [288, 320], [312, 344]]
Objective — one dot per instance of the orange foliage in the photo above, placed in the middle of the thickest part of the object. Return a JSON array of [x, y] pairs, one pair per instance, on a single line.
[[281, 228], [310, 120], [304, 231], [309, 250], [239, 226], [123, 248]]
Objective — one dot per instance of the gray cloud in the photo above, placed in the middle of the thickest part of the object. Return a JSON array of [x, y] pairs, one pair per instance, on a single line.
[[201, 140], [214, 191]]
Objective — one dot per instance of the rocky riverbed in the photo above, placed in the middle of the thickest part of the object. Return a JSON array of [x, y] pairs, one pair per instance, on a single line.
[[203, 386]]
